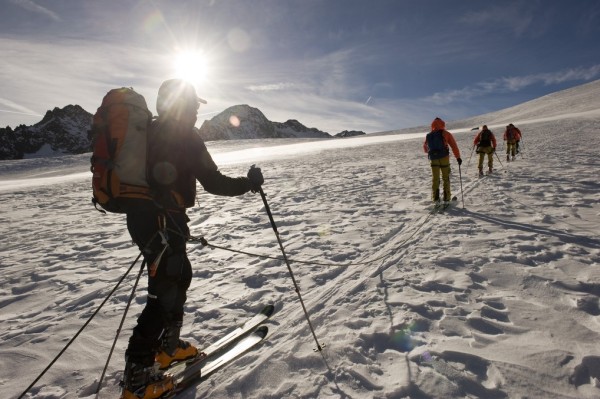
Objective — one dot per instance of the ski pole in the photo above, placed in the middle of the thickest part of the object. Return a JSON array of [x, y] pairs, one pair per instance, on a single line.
[[312, 330], [469, 161], [120, 326], [81, 329], [498, 158], [520, 148], [462, 194]]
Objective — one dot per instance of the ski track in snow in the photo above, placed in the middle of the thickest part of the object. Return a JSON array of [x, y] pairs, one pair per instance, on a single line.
[[497, 299]]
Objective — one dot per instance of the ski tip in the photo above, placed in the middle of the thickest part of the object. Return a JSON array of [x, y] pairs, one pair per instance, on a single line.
[[268, 310], [261, 331]]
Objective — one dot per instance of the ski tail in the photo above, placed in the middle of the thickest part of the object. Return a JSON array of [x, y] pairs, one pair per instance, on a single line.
[[200, 372]]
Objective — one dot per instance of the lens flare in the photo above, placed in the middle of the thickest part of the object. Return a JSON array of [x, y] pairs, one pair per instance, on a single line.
[[234, 120], [324, 230], [153, 21], [404, 340]]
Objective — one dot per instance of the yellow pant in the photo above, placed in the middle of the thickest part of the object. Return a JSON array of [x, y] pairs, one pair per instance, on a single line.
[[440, 165], [490, 153], [511, 147]]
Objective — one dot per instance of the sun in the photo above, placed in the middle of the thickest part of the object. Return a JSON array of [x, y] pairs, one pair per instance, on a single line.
[[191, 65]]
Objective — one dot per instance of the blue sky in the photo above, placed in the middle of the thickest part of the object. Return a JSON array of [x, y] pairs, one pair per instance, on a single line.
[[369, 65]]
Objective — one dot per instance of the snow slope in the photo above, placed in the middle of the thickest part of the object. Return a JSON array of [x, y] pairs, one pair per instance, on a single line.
[[496, 299]]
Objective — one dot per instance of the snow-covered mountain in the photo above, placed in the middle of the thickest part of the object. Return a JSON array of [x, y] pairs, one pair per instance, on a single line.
[[579, 100], [576, 100], [61, 131], [66, 131], [350, 133], [292, 128], [238, 122], [246, 122]]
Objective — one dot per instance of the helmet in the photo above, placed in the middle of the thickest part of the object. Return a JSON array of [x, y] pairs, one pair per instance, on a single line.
[[438, 124], [484, 127], [177, 97]]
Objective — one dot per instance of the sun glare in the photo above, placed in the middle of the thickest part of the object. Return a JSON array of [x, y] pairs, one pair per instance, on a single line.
[[191, 66]]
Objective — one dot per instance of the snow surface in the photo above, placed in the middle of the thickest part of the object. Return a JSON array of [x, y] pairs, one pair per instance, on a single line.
[[496, 299]]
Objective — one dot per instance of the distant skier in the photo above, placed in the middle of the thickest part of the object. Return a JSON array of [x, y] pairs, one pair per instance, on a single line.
[[485, 141], [436, 146], [177, 157], [512, 136], [520, 137]]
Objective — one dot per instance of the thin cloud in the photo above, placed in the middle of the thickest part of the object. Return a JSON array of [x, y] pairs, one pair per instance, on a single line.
[[35, 76], [515, 17], [29, 5], [274, 87], [332, 75], [16, 108], [514, 84]]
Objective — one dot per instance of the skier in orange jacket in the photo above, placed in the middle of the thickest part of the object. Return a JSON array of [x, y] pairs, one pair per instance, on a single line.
[[512, 135], [436, 146]]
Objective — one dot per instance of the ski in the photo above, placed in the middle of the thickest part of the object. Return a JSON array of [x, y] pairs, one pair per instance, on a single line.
[[446, 204], [222, 344], [436, 207], [197, 373], [440, 207]]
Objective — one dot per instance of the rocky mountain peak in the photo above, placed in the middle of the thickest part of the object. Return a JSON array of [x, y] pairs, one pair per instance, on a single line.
[[68, 112], [66, 131], [61, 130]]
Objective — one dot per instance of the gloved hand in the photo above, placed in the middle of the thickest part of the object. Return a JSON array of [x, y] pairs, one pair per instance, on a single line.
[[256, 179], [459, 160], [493, 150]]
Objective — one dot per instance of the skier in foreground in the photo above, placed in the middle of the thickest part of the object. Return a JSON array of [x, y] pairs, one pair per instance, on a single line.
[[177, 157], [436, 146]]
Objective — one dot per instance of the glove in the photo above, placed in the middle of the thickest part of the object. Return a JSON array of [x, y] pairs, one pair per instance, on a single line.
[[459, 160], [256, 179], [493, 150]]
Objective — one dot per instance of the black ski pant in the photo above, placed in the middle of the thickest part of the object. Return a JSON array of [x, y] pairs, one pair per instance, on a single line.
[[167, 288]]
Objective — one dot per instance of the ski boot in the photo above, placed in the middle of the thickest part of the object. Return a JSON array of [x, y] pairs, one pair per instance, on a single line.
[[507, 158], [446, 202], [145, 382], [490, 171], [436, 197], [480, 172], [513, 157], [173, 349]]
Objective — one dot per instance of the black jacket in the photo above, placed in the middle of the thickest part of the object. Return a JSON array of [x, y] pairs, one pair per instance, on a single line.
[[177, 157]]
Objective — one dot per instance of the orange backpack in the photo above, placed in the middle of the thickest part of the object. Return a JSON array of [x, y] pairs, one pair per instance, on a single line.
[[119, 130]]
